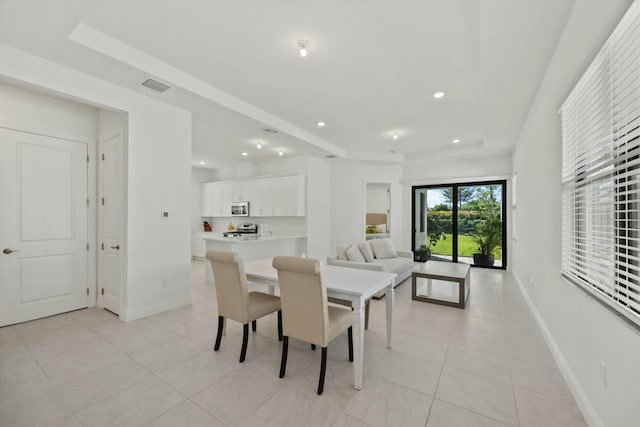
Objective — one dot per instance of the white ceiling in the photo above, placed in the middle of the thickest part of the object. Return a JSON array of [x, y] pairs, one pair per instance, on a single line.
[[371, 70]]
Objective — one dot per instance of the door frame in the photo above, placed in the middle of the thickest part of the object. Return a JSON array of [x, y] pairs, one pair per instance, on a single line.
[[454, 218]]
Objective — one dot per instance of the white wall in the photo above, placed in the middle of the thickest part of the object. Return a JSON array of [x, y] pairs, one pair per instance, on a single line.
[[158, 177], [581, 332], [348, 201]]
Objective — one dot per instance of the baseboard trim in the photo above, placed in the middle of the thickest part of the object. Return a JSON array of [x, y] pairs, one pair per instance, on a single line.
[[149, 310], [582, 400]]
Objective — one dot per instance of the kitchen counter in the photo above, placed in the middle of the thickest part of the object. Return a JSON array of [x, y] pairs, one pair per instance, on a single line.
[[252, 247], [248, 238]]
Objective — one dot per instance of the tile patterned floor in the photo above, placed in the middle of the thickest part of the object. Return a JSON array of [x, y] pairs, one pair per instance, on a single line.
[[484, 366]]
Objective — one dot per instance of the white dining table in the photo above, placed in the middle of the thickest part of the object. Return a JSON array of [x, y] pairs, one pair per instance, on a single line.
[[350, 284]]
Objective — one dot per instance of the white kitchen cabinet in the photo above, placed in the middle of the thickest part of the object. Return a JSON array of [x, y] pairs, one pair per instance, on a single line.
[[216, 199], [242, 191], [268, 196], [226, 197], [207, 199], [289, 196], [198, 244], [261, 203]]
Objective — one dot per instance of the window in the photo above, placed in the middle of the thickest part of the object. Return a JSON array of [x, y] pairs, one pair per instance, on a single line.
[[601, 174]]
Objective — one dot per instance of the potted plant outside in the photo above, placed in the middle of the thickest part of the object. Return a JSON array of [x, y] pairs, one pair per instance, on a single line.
[[488, 238]]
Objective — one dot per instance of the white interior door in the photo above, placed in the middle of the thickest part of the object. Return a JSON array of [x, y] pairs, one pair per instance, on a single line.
[[110, 223], [43, 226]]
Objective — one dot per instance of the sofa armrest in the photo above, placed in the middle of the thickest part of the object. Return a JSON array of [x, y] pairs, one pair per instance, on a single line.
[[405, 254], [354, 264]]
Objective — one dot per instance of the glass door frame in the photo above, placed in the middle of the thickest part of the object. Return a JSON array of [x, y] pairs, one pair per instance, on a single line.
[[454, 225]]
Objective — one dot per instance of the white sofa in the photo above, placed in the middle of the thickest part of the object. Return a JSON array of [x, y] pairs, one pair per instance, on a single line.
[[402, 265]]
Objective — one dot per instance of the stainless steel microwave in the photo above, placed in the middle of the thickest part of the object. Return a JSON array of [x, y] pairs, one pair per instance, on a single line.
[[239, 208]]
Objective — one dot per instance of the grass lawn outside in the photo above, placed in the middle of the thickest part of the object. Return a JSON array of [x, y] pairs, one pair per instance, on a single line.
[[466, 247]]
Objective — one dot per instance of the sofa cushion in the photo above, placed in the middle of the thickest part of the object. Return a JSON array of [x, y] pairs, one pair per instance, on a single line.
[[342, 251], [395, 265], [354, 254], [383, 248], [367, 252]]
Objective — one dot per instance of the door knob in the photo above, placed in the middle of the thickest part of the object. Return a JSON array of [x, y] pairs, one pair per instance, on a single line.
[[117, 247], [7, 251]]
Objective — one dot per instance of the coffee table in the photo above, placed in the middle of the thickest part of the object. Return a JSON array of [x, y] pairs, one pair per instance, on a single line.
[[446, 271]]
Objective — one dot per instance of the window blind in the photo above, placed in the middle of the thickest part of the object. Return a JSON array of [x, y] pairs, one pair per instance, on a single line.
[[601, 173]]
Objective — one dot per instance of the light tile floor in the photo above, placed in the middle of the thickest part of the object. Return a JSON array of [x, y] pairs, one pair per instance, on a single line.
[[487, 365]]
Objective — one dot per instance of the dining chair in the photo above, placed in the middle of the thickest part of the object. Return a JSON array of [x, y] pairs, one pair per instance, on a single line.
[[306, 314], [235, 302]]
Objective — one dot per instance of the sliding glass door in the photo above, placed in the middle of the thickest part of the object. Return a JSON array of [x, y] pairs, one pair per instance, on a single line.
[[461, 223]]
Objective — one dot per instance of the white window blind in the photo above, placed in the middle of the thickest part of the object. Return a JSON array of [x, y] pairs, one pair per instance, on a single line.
[[601, 173]]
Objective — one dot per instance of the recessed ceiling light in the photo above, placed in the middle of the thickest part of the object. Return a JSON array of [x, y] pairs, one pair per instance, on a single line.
[[303, 47], [245, 154], [395, 136], [455, 141], [321, 124], [203, 163], [280, 153], [438, 94], [259, 146]]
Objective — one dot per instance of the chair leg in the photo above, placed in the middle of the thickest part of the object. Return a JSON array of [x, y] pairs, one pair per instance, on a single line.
[[216, 347], [323, 369], [350, 334], [313, 346], [283, 362], [279, 325], [245, 339], [254, 325], [366, 314]]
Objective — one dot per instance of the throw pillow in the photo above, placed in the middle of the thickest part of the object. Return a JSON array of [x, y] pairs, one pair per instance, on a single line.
[[366, 250], [371, 230], [354, 254], [342, 251], [383, 248], [381, 228]]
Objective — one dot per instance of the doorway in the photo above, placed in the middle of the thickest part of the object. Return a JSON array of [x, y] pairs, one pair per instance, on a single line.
[[377, 210], [462, 223]]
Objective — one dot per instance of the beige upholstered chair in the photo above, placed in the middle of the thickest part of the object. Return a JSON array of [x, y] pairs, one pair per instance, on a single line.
[[235, 302], [306, 314]]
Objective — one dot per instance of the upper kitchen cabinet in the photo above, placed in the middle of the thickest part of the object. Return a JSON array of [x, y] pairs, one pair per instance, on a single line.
[[208, 198], [242, 191], [289, 196], [217, 198], [267, 196]]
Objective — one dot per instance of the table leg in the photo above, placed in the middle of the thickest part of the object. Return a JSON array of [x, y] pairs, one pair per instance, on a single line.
[[391, 294], [357, 316]]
